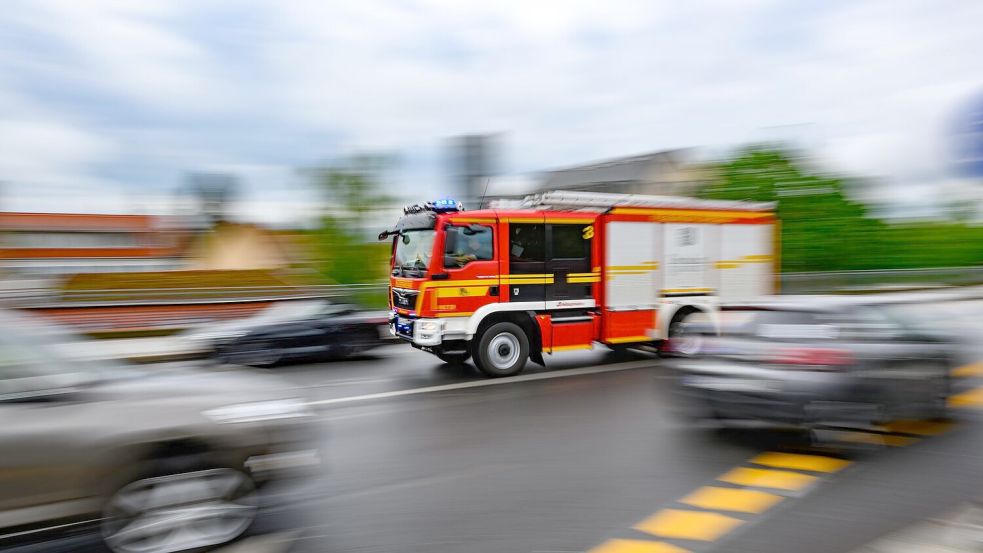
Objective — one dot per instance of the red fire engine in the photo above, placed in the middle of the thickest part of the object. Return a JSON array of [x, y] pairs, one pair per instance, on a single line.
[[562, 271]]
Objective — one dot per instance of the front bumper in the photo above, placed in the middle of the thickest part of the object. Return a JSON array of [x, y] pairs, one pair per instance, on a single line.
[[421, 332]]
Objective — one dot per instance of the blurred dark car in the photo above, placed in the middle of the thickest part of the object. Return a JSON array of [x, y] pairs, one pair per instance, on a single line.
[[812, 360], [295, 331], [146, 462]]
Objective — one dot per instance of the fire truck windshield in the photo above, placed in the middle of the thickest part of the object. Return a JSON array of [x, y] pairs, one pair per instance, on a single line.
[[414, 249]]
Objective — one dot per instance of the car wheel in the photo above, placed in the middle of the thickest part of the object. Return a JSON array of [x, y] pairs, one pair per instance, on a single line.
[[680, 342], [453, 358], [180, 512], [502, 350]]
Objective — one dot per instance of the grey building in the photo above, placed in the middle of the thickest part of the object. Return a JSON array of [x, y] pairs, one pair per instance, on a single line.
[[668, 173]]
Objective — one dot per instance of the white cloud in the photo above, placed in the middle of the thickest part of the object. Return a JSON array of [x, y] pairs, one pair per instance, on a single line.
[[869, 84]]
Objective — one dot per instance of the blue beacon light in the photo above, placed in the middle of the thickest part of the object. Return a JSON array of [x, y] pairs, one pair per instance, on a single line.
[[445, 205]]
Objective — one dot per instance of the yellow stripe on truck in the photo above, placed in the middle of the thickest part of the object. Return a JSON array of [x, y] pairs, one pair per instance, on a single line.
[[462, 292]]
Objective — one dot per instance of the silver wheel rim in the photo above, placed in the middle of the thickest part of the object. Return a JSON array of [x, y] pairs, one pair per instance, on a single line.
[[503, 351], [685, 343], [180, 512]]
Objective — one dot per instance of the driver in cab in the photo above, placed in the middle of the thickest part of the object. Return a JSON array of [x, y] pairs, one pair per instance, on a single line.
[[472, 246]]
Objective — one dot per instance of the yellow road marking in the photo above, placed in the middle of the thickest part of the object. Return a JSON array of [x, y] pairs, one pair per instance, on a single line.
[[688, 525], [815, 463], [730, 499], [766, 478], [890, 440], [972, 398], [974, 369], [636, 546], [919, 428]]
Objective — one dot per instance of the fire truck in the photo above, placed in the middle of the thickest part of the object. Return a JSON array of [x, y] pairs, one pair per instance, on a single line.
[[561, 271]]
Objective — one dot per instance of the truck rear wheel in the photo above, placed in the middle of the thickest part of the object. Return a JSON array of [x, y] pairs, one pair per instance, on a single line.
[[502, 350]]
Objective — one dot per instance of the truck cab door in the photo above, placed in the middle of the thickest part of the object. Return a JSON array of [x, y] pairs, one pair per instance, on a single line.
[[527, 274], [569, 260], [470, 261]]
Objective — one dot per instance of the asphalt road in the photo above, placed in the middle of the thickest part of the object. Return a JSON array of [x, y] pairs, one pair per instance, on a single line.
[[586, 455], [571, 460]]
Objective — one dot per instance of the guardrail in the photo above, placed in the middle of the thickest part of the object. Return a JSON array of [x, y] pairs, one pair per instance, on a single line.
[[166, 296]]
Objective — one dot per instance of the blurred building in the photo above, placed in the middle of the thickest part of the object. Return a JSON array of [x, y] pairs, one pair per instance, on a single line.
[[68, 243], [241, 246], [667, 173], [474, 161]]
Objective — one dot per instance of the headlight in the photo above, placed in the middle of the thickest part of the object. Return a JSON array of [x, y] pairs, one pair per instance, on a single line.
[[429, 326], [259, 411]]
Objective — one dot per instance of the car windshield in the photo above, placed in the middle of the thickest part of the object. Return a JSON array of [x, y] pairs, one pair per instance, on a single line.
[[414, 249], [781, 325], [32, 358]]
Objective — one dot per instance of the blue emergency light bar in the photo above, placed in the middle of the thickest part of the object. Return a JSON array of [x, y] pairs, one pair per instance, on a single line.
[[446, 205]]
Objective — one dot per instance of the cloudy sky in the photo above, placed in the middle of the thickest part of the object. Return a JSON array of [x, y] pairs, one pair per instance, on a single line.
[[106, 104]]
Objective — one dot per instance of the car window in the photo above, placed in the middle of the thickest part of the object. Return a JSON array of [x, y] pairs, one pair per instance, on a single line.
[[865, 323], [793, 326]]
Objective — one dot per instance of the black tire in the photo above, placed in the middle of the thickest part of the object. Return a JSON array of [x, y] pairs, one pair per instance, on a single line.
[[453, 358], [502, 350]]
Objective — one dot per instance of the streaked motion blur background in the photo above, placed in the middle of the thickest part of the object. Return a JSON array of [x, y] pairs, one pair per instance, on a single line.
[[169, 167]]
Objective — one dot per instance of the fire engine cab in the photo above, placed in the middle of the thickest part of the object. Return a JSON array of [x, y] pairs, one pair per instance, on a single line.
[[562, 271]]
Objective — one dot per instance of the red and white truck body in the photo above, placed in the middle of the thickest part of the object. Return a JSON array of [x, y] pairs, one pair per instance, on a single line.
[[568, 270]]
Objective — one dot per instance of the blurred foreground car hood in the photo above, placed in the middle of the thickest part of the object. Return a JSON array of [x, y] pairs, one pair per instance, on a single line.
[[219, 387]]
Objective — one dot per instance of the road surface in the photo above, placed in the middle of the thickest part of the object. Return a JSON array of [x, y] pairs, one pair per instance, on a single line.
[[587, 455]]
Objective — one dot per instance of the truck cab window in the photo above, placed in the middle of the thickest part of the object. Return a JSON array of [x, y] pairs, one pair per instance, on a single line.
[[527, 242], [569, 242], [463, 245]]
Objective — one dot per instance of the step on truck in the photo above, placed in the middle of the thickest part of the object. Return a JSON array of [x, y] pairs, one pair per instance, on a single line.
[[563, 271]]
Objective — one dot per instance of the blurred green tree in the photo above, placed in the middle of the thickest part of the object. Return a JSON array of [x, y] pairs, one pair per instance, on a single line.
[[352, 193], [824, 230]]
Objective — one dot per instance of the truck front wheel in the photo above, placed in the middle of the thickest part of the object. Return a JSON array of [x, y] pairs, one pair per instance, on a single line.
[[502, 350]]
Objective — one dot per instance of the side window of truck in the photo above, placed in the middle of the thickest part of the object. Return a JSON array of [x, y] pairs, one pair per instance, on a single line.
[[462, 245], [527, 242], [569, 242]]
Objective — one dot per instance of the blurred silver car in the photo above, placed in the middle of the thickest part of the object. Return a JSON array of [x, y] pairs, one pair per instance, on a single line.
[[813, 360], [150, 461]]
